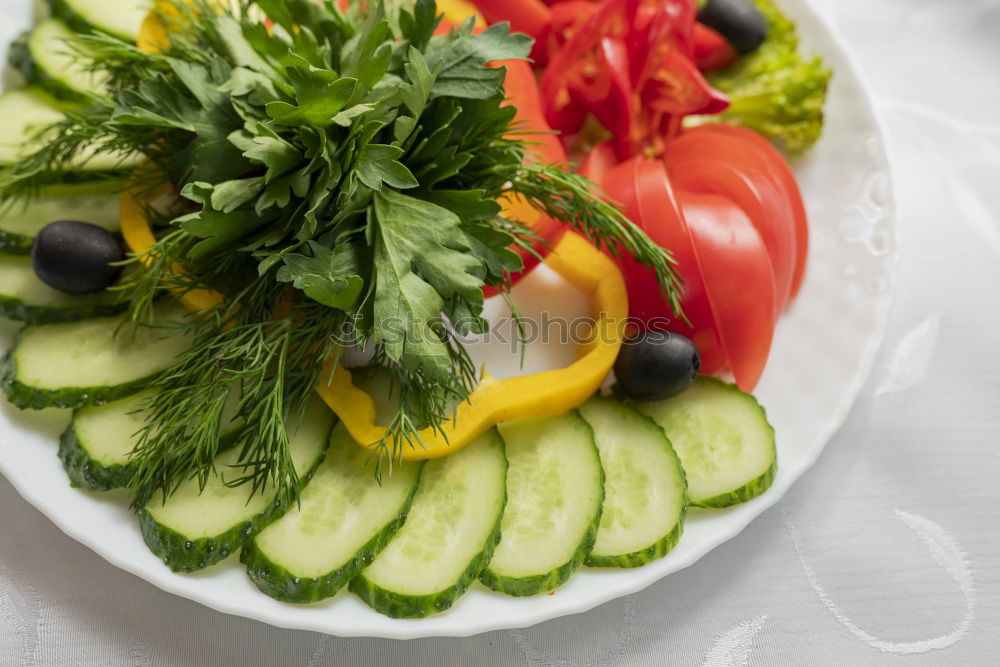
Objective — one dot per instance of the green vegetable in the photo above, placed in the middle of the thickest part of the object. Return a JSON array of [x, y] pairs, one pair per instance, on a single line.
[[343, 520], [45, 58], [95, 448], [775, 90], [117, 17], [199, 526], [645, 494], [555, 492], [350, 154], [24, 297], [72, 364], [449, 536], [724, 441], [96, 203]]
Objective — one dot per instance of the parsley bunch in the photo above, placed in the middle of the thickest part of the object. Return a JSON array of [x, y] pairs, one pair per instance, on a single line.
[[341, 168]]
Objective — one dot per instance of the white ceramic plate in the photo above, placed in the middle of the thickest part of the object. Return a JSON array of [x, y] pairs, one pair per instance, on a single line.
[[821, 356]]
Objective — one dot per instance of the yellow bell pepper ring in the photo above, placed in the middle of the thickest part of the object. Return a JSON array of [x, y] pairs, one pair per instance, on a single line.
[[544, 394]]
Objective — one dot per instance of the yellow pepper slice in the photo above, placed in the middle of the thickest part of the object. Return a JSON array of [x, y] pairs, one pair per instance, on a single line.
[[139, 238], [544, 394]]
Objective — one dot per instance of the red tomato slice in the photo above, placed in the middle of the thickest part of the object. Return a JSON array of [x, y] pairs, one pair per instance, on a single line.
[[720, 164], [737, 271], [786, 177], [728, 292], [755, 199], [642, 188]]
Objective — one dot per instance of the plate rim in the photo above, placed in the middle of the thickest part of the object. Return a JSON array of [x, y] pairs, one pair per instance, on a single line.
[[176, 584]]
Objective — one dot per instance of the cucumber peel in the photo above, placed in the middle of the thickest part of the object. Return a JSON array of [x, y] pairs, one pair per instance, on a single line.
[[645, 490], [724, 441], [450, 534], [194, 528], [555, 491]]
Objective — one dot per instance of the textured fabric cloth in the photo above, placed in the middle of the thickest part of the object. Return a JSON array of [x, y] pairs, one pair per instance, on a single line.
[[888, 547]]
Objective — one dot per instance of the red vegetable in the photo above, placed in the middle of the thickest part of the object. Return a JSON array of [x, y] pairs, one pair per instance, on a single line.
[[712, 50], [718, 160], [642, 188], [728, 294], [783, 174], [737, 271], [721, 198], [629, 65], [531, 17]]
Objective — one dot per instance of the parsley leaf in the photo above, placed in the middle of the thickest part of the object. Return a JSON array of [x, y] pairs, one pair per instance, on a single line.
[[421, 258]]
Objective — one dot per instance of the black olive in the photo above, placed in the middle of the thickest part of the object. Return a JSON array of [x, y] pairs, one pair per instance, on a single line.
[[76, 257], [656, 365], [739, 21]]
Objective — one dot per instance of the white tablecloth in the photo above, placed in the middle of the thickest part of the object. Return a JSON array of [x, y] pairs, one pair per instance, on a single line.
[[887, 552]]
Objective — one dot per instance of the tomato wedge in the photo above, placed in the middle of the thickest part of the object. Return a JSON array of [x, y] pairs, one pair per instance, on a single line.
[[782, 171], [601, 159], [642, 188], [756, 198], [737, 271], [728, 293], [725, 165]]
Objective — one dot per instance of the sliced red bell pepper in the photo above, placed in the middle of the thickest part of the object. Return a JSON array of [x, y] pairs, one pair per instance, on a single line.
[[711, 49], [566, 18]]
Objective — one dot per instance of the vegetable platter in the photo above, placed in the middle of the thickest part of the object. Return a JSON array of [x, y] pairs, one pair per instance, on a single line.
[[203, 372]]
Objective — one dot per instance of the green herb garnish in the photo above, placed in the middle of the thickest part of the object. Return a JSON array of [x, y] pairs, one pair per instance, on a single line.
[[775, 90], [340, 168]]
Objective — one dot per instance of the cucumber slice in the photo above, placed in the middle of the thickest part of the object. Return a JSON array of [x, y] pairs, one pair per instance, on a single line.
[[196, 528], [20, 221], [555, 488], [72, 364], [121, 18], [24, 297], [26, 110], [95, 448], [46, 58], [343, 520], [449, 536], [723, 439], [645, 495]]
